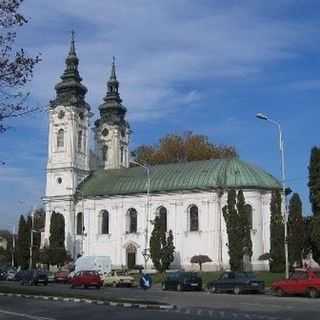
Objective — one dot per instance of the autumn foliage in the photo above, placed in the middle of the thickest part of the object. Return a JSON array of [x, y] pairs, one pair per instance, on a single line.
[[174, 148]]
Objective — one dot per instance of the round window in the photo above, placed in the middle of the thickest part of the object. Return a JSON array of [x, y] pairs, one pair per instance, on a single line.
[[59, 180]]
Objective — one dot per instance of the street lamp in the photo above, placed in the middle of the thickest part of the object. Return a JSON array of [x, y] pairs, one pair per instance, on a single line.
[[145, 252], [262, 116]]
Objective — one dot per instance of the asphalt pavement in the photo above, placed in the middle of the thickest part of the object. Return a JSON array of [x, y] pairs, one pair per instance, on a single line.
[[190, 305]]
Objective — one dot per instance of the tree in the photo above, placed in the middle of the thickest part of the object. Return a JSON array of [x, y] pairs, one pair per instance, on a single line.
[[23, 243], [314, 181], [16, 67], [237, 215], [295, 230], [314, 196], [277, 256], [161, 248], [175, 148], [200, 260], [57, 251]]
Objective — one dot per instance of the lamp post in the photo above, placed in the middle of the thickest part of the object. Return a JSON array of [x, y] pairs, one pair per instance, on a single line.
[[145, 252], [31, 242], [262, 116]]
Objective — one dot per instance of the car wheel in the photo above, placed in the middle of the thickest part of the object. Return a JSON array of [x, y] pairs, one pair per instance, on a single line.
[[236, 290], [163, 286], [313, 293], [85, 286], [98, 287], [213, 289], [45, 283], [279, 292], [179, 287]]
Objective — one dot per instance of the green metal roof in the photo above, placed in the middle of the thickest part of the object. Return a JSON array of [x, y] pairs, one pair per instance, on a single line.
[[195, 175]]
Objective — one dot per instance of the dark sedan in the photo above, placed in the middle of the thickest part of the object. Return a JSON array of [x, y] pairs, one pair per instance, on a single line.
[[236, 282], [182, 281]]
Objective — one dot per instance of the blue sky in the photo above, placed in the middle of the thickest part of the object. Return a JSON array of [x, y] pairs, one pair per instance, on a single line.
[[206, 66]]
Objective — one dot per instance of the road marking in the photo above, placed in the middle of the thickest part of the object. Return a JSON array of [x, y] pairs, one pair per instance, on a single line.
[[24, 315]]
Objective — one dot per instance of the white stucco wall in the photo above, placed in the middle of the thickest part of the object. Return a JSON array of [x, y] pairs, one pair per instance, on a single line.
[[207, 241]]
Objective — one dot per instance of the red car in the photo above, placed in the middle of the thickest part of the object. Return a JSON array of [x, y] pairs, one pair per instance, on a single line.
[[300, 282], [86, 279], [61, 276]]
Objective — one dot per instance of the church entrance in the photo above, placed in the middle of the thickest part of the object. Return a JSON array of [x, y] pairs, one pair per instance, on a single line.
[[131, 256]]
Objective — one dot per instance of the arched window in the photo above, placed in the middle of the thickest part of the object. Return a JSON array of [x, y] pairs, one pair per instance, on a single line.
[[60, 138], [162, 213], [79, 140], [121, 155], [194, 218], [249, 215], [105, 153], [133, 220], [80, 226], [104, 222]]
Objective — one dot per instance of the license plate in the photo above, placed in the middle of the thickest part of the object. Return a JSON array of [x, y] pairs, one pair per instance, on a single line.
[[194, 284], [255, 284]]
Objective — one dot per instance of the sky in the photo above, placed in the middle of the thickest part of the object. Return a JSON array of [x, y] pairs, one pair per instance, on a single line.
[[206, 66]]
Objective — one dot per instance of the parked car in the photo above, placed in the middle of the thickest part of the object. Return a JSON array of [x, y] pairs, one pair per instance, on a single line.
[[180, 280], [300, 282], [236, 282], [19, 275], [118, 278], [11, 274], [3, 275], [51, 277], [61, 276], [34, 277], [86, 279]]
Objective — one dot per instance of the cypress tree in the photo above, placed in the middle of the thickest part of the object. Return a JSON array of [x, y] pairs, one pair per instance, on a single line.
[[161, 249], [277, 255], [314, 180], [295, 230], [245, 223], [231, 217], [57, 251], [23, 243], [314, 196]]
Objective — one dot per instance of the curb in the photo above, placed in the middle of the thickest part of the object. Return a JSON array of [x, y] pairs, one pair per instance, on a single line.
[[92, 301]]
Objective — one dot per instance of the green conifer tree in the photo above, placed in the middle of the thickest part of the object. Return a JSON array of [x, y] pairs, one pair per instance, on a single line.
[[314, 196], [57, 251], [295, 230], [277, 255], [23, 243], [231, 217], [161, 248]]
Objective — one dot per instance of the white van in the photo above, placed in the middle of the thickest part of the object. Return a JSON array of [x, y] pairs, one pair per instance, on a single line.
[[101, 264]]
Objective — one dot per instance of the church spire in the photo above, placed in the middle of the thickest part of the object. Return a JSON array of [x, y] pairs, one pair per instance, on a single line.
[[112, 110], [70, 91], [113, 76]]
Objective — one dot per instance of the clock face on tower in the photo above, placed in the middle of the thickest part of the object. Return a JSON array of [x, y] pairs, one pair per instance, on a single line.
[[105, 132]]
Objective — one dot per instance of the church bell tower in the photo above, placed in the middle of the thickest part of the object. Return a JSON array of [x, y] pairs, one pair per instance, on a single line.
[[112, 130], [68, 148]]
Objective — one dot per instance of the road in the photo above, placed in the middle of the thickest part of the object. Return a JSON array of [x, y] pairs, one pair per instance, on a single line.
[[193, 305]]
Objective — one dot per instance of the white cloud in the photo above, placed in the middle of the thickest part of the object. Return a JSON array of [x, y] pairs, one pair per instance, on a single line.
[[161, 47]]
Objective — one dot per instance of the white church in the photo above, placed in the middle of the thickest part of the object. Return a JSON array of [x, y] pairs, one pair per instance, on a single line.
[[109, 206]]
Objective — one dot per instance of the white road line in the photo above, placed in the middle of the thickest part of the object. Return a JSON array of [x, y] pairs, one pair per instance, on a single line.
[[24, 315]]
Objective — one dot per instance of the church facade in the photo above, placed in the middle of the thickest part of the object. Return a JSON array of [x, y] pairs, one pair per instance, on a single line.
[[109, 207]]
